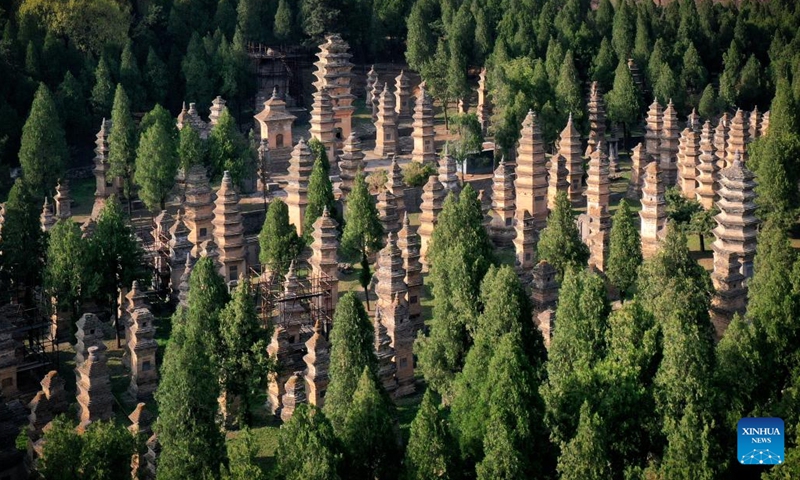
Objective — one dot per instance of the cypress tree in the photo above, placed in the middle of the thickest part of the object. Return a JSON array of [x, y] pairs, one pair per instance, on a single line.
[[694, 74], [783, 117], [191, 150], [708, 107], [351, 352], [43, 147], [568, 90], [32, 61], [502, 460], [196, 67], [122, 143], [363, 232], [585, 456], [103, 90], [130, 77], [225, 17], [560, 242], [278, 239], [68, 276], [622, 102], [320, 153], [666, 87], [284, 23], [204, 309], [732, 62], [228, 150], [625, 250], [603, 65], [430, 450], [21, 244], [309, 449], [622, 31], [71, 104], [751, 84], [642, 42], [156, 164], [156, 78], [320, 195]]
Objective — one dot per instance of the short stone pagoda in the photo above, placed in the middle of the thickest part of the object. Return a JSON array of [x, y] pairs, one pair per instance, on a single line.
[[721, 141], [294, 395], [229, 231], [334, 72], [669, 145], [423, 129], [754, 125], [350, 163], [95, 399], [89, 334], [198, 207], [501, 228], [525, 238], [397, 186], [216, 110], [276, 129], [317, 362], [387, 211], [597, 119], [705, 192], [558, 179], [142, 346], [598, 190], [654, 210], [323, 124], [63, 201], [409, 244], [404, 105], [300, 166], [448, 171], [49, 402], [386, 125], [764, 124], [689, 160], [192, 119], [637, 172], [735, 244], [433, 195], [569, 147], [653, 126], [47, 219], [531, 173], [372, 79]]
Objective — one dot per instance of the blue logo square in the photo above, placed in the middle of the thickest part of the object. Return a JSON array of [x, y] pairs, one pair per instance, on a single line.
[[760, 441]]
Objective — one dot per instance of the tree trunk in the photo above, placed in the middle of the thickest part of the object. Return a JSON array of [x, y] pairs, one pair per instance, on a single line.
[[702, 239], [446, 120], [115, 312], [366, 295]]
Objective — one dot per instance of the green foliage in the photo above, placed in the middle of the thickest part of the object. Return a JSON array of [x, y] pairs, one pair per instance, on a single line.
[[709, 104], [666, 87], [431, 447], [783, 118], [122, 142], [603, 65], [730, 74], [585, 457], [284, 23], [244, 362], [320, 197], [103, 91], [22, 243], [191, 149], [130, 77], [363, 232], [771, 159], [43, 149], [229, 150], [469, 140], [71, 104], [416, 174], [318, 17], [309, 449], [156, 77], [156, 163], [622, 35], [196, 68], [103, 451], [560, 242], [622, 102], [625, 250], [642, 43], [351, 352], [68, 275], [225, 17], [751, 85], [278, 239], [569, 99], [421, 39], [694, 74]]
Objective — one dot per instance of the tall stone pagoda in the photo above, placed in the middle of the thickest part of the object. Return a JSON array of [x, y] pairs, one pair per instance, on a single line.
[[104, 186], [49, 402], [689, 159], [501, 229], [597, 118], [433, 195], [386, 125], [404, 105], [387, 211], [95, 399], [333, 71], [276, 128], [598, 190], [423, 131], [396, 186], [448, 171], [754, 125], [198, 207], [735, 244], [484, 109], [372, 79], [706, 169], [569, 147], [179, 247], [525, 238], [531, 173], [737, 139], [324, 267], [654, 210], [300, 166], [317, 362], [89, 334], [409, 244], [637, 172], [653, 127], [669, 145], [142, 346], [62, 201], [558, 180], [229, 231], [323, 124], [350, 162], [721, 140]]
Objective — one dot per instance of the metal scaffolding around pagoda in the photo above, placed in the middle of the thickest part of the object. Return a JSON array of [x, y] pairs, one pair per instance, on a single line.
[[311, 299]]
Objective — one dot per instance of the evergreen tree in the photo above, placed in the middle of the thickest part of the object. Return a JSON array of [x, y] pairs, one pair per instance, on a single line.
[[278, 239], [708, 107], [367, 432], [625, 250], [585, 457], [363, 232], [569, 99], [459, 36], [319, 17], [60, 451], [560, 242], [309, 449], [421, 40], [783, 118], [603, 65], [122, 143], [156, 164], [732, 61], [502, 460], [244, 362], [351, 352], [604, 18], [622, 31], [320, 153], [243, 459], [68, 276], [43, 148], [191, 150], [622, 102], [225, 17], [103, 90], [156, 78], [228, 150], [71, 105], [130, 77], [554, 59], [204, 309], [666, 88], [642, 42], [32, 61], [751, 85], [694, 74], [21, 245], [196, 68], [430, 450], [284, 22], [320, 196]]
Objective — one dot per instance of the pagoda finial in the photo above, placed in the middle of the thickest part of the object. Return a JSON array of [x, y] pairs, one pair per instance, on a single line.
[[325, 213]]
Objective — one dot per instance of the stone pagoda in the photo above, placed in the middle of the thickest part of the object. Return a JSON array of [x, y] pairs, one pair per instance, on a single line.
[[558, 179], [62, 201], [409, 245], [324, 267], [209, 249], [386, 125], [544, 295], [531, 173], [392, 291], [276, 128], [229, 231], [404, 105], [280, 351], [721, 141], [295, 394], [350, 163], [333, 72], [46, 219], [689, 160], [376, 98], [104, 186], [179, 247], [317, 361], [142, 346], [49, 402], [484, 109], [192, 119], [372, 79], [323, 123], [94, 396], [737, 139], [669, 145], [754, 125], [89, 334], [387, 211], [300, 166], [637, 172], [735, 244], [448, 171], [764, 124], [598, 190], [198, 207], [597, 119], [501, 228], [183, 286], [141, 428], [433, 195], [423, 131], [525, 238], [654, 210], [705, 192], [215, 111], [387, 369], [570, 148], [396, 186], [652, 134], [637, 77]]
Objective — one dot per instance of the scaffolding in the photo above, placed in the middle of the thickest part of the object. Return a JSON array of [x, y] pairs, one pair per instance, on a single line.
[[277, 67], [311, 300]]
